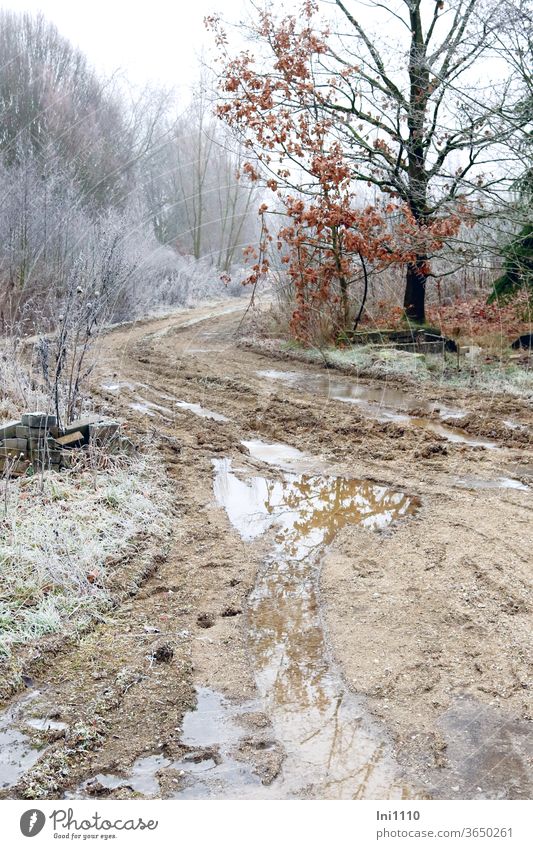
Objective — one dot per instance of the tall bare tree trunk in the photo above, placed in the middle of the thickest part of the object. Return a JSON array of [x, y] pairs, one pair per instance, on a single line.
[[415, 283], [415, 291]]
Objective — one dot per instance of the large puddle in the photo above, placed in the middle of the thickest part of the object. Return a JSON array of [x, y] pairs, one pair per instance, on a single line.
[[333, 749], [305, 718], [385, 403]]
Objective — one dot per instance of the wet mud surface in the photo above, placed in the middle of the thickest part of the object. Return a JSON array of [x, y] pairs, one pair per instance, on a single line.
[[343, 610]]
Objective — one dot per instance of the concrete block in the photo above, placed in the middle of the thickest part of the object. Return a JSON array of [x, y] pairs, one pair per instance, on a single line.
[[10, 452], [24, 432], [9, 429], [44, 450], [82, 425], [70, 439], [36, 444], [103, 431], [66, 460], [46, 455], [38, 419], [16, 443], [15, 469]]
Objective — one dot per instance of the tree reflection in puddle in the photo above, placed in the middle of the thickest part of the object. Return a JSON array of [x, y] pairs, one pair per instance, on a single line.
[[333, 747]]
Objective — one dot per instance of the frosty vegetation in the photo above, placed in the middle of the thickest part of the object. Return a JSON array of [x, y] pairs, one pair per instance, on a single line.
[[61, 548], [128, 198]]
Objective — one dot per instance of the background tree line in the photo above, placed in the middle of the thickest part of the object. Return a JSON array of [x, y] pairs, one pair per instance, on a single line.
[[112, 193]]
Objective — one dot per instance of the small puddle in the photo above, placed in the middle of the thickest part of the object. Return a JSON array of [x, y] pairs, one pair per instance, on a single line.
[[496, 483], [117, 387], [452, 434], [43, 724], [206, 316], [209, 769], [333, 748], [198, 410], [513, 425], [18, 752], [141, 778], [150, 408], [488, 753], [385, 403], [525, 471], [274, 452], [214, 724], [344, 389]]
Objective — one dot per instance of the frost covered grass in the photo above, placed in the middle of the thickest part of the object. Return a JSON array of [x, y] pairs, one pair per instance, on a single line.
[[60, 545], [495, 376], [501, 376]]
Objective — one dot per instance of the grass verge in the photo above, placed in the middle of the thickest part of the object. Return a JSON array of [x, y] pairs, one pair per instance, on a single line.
[[501, 376], [71, 546]]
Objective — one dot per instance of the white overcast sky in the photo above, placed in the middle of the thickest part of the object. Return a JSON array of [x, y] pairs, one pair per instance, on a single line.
[[160, 41], [154, 41]]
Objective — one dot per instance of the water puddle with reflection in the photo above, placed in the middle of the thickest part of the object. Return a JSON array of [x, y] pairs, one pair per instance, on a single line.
[[385, 403], [333, 748], [320, 732]]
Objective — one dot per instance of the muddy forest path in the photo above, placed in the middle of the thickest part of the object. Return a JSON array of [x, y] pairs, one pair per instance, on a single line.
[[345, 595]]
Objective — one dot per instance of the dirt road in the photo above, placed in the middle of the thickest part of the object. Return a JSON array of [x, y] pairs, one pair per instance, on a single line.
[[344, 609]]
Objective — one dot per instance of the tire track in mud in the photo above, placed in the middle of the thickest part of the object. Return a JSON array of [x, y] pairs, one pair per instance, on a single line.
[[209, 572], [279, 417]]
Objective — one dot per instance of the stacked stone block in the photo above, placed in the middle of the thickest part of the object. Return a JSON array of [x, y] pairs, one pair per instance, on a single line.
[[35, 442]]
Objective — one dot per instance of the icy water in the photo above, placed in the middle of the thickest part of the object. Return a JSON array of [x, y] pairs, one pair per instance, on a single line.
[[488, 754], [151, 408], [209, 769]]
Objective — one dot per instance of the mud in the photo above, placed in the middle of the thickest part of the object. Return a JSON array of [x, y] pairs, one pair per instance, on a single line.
[[423, 626], [18, 752], [332, 747], [384, 402]]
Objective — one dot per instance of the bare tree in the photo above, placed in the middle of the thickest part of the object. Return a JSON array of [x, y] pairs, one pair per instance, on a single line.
[[408, 90], [198, 202]]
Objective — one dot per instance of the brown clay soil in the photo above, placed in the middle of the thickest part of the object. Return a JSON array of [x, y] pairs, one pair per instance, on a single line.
[[429, 622]]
